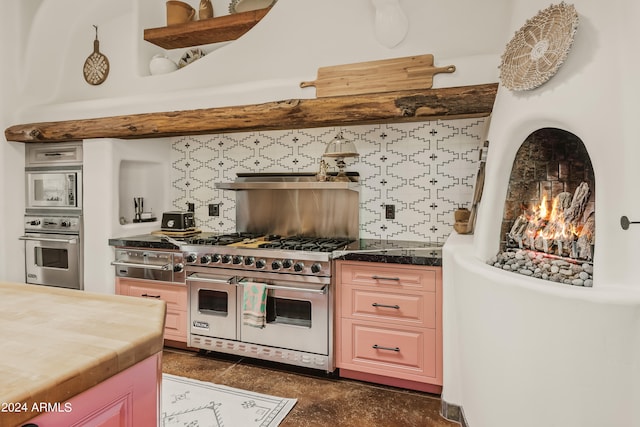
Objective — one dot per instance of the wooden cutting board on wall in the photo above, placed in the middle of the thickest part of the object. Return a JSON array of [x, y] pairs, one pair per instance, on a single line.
[[386, 75]]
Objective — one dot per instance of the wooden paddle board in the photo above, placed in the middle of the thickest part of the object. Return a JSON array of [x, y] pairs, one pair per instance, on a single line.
[[386, 75], [250, 243]]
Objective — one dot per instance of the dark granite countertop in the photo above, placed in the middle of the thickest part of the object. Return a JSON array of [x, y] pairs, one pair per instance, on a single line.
[[369, 250], [394, 252]]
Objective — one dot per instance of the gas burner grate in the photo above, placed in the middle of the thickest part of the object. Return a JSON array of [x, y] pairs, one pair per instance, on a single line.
[[310, 244], [222, 239]]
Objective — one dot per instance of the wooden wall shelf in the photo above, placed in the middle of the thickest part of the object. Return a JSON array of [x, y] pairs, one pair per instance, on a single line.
[[403, 106], [212, 30]]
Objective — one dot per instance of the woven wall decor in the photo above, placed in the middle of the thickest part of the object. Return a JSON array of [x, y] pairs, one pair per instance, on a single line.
[[96, 66], [537, 50]]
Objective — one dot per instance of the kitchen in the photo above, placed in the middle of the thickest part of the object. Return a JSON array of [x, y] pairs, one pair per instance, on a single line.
[[259, 68]]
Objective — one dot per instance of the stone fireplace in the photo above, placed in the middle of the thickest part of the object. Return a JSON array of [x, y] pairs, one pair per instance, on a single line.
[[548, 223]]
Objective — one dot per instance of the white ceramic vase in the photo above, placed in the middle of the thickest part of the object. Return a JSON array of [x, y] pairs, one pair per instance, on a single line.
[[391, 24]]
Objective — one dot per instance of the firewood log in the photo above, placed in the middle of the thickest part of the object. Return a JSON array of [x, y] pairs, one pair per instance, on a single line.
[[580, 199]]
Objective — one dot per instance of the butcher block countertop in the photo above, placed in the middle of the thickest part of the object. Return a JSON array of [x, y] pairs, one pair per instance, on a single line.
[[57, 343]]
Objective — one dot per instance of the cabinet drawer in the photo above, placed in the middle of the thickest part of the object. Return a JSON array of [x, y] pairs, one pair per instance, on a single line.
[[175, 327], [383, 276], [412, 309], [176, 298], [405, 352]]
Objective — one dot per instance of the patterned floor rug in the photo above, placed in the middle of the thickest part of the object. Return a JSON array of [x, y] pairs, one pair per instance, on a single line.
[[187, 402]]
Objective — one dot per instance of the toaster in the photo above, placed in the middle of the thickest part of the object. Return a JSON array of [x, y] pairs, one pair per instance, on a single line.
[[178, 221]]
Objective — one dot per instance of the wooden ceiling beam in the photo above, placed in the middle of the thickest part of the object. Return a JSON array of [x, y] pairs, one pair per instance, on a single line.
[[387, 107]]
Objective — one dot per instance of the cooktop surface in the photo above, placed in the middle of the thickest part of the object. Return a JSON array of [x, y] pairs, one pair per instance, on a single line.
[[252, 240]]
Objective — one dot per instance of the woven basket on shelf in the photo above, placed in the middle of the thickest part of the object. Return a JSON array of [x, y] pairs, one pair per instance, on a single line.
[[537, 50]]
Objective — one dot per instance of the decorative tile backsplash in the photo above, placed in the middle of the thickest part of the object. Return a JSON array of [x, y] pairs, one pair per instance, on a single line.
[[426, 169]]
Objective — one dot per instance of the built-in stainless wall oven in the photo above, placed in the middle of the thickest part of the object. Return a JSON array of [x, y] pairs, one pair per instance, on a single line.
[[53, 250], [53, 215]]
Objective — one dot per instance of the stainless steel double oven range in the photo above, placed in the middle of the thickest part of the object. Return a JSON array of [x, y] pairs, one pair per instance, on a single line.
[[290, 226], [53, 215]]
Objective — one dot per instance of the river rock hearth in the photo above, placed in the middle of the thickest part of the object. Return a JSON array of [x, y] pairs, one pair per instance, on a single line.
[[538, 265]]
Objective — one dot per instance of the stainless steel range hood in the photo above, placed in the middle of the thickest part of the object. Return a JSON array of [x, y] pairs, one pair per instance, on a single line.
[[289, 181], [296, 205]]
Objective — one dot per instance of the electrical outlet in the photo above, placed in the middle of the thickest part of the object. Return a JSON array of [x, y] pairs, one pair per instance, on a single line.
[[390, 211], [191, 207], [214, 209]]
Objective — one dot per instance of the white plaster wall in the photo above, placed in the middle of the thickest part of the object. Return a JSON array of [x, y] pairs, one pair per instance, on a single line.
[[268, 63], [103, 159], [532, 354], [11, 158], [521, 351]]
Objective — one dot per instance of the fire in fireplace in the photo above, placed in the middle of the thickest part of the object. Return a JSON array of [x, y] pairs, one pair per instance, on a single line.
[[548, 226], [560, 230]]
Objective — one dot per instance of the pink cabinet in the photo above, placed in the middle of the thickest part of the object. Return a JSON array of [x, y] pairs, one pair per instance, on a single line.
[[130, 398], [175, 295], [389, 324]]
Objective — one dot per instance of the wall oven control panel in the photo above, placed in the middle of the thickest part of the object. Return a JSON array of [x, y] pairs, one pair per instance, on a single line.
[[52, 223]]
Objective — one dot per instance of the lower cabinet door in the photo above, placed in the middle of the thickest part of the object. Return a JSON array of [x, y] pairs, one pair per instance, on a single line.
[[128, 399], [174, 295], [407, 353], [175, 327]]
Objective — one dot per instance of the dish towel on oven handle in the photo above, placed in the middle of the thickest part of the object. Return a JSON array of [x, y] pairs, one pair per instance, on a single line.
[[254, 304]]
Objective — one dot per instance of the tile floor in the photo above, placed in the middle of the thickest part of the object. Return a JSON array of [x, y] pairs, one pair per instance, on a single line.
[[322, 400]]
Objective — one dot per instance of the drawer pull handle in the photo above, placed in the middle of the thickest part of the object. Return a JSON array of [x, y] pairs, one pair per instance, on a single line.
[[397, 279], [150, 296], [396, 306], [377, 347]]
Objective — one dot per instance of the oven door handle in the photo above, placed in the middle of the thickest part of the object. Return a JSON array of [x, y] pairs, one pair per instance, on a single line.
[[196, 276], [321, 291], [164, 267], [71, 241]]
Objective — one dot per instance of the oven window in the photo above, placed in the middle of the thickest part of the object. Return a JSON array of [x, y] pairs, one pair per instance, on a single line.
[[288, 311], [54, 188], [213, 302], [52, 258]]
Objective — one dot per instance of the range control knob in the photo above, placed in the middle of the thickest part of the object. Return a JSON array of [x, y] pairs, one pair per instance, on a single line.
[[249, 260], [276, 265], [177, 268], [298, 267], [191, 258], [65, 223], [237, 259], [287, 263], [316, 268], [226, 259], [216, 258], [205, 259], [34, 222], [261, 263]]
